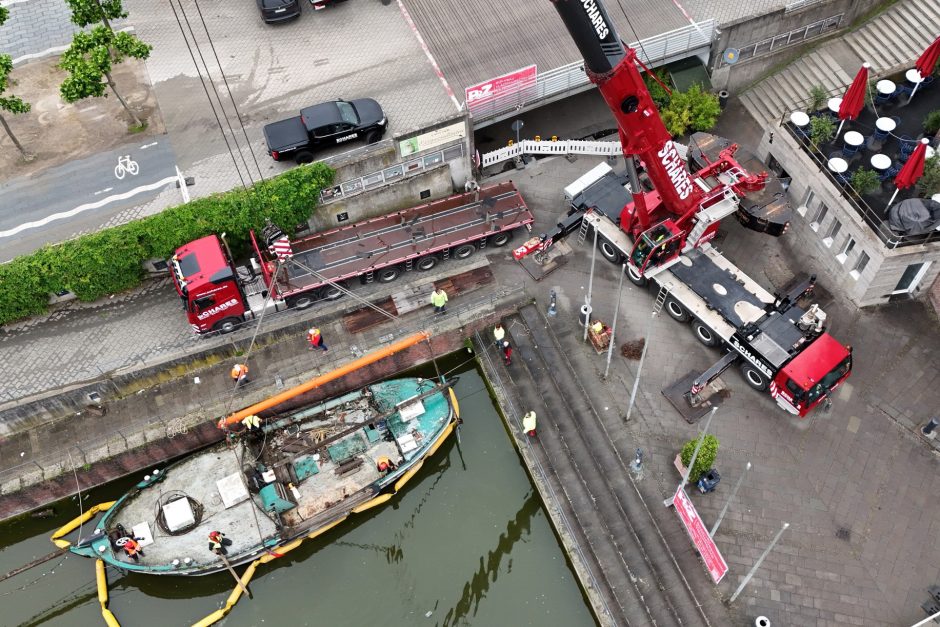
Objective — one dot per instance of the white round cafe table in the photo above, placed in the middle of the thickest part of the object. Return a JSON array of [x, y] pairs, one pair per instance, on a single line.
[[885, 124], [834, 104], [913, 76], [930, 152], [838, 165], [935, 198], [885, 87], [854, 138], [799, 118], [880, 162]]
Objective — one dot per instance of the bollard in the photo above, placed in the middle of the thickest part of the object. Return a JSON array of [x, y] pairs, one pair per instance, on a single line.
[[585, 315], [552, 306], [638, 461]]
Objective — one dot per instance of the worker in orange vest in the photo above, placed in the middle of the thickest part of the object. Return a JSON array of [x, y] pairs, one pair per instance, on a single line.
[[132, 549], [218, 542], [239, 374], [316, 340], [384, 464]]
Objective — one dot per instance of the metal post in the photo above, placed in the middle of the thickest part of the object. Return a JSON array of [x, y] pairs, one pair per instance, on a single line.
[[750, 573], [587, 300], [639, 369], [613, 327], [724, 510]]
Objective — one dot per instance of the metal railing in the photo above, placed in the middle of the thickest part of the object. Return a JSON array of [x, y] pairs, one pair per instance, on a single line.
[[653, 51], [878, 224], [562, 147], [398, 172]]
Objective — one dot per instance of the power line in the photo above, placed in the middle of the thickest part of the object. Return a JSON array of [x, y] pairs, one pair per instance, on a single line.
[[229, 90], [206, 90]]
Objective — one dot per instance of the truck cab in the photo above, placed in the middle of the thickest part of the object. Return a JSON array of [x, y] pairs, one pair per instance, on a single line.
[[812, 375], [206, 282]]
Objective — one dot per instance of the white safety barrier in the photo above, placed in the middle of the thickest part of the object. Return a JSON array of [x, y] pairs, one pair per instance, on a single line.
[[563, 147]]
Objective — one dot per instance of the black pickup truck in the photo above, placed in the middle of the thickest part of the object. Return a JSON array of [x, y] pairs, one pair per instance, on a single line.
[[324, 125]]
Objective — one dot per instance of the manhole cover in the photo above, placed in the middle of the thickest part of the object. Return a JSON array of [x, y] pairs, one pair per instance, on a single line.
[[844, 534]]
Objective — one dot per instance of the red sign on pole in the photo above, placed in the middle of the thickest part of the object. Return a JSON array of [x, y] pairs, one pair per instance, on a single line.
[[520, 82], [714, 562]]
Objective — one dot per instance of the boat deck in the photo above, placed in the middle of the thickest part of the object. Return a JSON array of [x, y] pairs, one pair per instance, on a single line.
[[244, 524]]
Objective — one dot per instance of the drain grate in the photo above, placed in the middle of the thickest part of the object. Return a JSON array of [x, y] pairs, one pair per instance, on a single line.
[[844, 534]]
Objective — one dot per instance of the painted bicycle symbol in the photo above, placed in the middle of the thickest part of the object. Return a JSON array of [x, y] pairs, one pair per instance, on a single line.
[[125, 165]]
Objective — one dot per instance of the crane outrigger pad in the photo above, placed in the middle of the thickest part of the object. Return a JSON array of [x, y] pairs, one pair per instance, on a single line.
[[552, 259], [679, 395]]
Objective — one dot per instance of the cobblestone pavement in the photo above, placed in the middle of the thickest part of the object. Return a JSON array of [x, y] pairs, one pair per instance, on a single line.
[[854, 484], [38, 28]]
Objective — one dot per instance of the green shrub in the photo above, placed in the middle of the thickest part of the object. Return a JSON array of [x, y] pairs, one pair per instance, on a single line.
[[706, 456], [929, 183], [109, 261], [660, 96], [692, 110], [932, 122], [865, 181], [818, 96], [821, 130]]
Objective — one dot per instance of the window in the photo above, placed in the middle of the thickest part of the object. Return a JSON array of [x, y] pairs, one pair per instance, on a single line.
[[820, 216], [807, 201], [833, 231], [860, 265], [846, 249], [347, 113]]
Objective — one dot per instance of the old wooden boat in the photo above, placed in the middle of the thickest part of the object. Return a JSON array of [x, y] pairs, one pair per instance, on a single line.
[[301, 473]]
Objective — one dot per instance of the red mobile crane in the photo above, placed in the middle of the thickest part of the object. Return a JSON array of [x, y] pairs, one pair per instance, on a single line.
[[782, 348]]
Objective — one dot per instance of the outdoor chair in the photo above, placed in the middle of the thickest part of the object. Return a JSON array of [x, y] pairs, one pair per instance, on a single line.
[[908, 145], [905, 91], [890, 173], [848, 151], [883, 99], [928, 83]]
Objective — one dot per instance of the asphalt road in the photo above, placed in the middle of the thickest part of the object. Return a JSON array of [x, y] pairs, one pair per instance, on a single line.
[[61, 202]]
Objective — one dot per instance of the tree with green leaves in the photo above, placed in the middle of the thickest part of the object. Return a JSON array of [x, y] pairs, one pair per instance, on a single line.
[[692, 110], [706, 456], [9, 102], [88, 12], [865, 181], [89, 61], [821, 129], [817, 97]]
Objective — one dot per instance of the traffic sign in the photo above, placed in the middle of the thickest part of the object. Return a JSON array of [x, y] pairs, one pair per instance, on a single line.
[[714, 562]]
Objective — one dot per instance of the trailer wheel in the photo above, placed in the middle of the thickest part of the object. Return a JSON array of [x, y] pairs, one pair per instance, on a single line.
[[300, 302], [304, 157], [387, 275], [426, 263], [609, 251], [501, 239], [464, 250], [635, 277], [754, 377], [226, 325], [704, 335], [331, 292], [676, 311]]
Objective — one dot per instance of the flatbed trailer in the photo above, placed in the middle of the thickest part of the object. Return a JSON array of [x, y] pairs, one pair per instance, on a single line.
[[381, 248]]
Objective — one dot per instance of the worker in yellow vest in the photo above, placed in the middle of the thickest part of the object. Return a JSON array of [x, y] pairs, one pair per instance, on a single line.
[[439, 300]]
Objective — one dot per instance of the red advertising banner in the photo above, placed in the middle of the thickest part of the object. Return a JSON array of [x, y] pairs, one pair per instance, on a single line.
[[521, 82], [714, 562]]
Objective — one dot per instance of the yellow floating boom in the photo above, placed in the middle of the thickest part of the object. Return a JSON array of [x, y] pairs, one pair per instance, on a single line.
[[75, 523]]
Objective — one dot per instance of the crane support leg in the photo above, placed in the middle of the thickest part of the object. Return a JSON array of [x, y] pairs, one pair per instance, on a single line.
[[695, 394]]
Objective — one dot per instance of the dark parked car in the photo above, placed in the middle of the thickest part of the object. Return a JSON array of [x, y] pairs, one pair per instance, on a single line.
[[278, 10], [325, 124]]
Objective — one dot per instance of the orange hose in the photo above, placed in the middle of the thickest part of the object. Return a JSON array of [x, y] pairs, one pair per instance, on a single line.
[[314, 383]]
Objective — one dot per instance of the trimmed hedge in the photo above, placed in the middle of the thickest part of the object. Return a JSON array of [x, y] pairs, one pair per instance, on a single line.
[[110, 261]]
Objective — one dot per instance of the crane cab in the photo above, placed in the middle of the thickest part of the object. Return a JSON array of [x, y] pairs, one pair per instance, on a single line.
[[656, 246]]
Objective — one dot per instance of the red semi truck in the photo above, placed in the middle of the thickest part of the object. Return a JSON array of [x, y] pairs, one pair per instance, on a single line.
[[218, 296]]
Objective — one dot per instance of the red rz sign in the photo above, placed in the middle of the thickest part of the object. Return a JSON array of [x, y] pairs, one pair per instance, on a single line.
[[714, 562], [511, 83]]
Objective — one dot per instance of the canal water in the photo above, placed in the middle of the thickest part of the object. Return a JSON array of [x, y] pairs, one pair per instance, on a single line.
[[466, 543]]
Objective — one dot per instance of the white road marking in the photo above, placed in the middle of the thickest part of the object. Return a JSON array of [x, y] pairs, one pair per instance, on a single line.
[[146, 146], [92, 205], [102, 191]]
